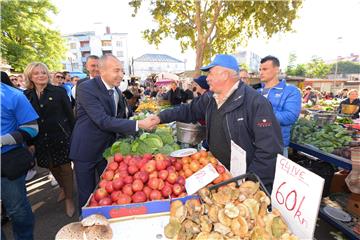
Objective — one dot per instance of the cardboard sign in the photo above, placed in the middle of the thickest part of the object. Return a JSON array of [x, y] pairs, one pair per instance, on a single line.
[[297, 194], [238, 160], [200, 179]]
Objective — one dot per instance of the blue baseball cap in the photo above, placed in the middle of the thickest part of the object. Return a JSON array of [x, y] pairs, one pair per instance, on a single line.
[[201, 81], [223, 60]]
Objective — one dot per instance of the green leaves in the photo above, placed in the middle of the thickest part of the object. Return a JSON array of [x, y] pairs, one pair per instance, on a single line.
[[212, 27], [26, 35]]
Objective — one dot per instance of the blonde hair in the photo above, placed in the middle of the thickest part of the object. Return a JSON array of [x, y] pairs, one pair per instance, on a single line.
[[351, 91], [29, 71]]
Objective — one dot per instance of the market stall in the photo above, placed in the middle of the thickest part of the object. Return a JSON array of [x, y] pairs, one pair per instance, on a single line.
[[326, 134]]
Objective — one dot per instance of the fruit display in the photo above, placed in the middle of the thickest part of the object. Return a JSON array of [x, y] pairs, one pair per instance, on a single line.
[[195, 162], [161, 141], [135, 179], [229, 212], [344, 120], [325, 105], [148, 105], [328, 138]]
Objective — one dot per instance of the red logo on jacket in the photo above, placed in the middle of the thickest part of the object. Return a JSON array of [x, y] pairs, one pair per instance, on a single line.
[[264, 123]]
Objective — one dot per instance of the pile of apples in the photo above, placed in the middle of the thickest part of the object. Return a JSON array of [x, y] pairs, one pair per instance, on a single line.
[[135, 179]]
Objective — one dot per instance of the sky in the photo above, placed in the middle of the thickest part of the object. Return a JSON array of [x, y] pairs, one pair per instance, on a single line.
[[324, 28]]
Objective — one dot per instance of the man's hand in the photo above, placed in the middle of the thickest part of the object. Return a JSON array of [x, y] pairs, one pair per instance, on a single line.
[[149, 123]]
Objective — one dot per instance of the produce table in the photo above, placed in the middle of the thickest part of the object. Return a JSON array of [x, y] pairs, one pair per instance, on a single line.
[[338, 161], [331, 158]]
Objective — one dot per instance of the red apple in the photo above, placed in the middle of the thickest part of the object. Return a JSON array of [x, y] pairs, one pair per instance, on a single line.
[[160, 164], [172, 177], [117, 183], [123, 173], [127, 159], [147, 156], [159, 156], [100, 194], [132, 162], [123, 166], [153, 183], [167, 163], [154, 174], [172, 160], [161, 184], [118, 157], [180, 180], [220, 169], [141, 163], [137, 185], [103, 183], [108, 175], [116, 176], [92, 199], [127, 189], [163, 174], [144, 176], [150, 166], [171, 169], [139, 196], [128, 179], [147, 191], [113, 166], [115, 196], [177, 189], [155, 195], [123, 199], [109, 187], [178, 166], [132, 169], [166, 191], [183, 194]]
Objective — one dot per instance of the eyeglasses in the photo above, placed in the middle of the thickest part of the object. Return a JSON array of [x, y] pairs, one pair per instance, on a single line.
[[58, 76]]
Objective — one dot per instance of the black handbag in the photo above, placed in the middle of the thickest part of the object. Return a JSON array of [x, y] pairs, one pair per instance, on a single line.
[[16, 162]]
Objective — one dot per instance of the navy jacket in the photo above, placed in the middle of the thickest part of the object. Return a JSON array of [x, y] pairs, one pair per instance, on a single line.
[[96, 125], [249, 121], [286, 103]]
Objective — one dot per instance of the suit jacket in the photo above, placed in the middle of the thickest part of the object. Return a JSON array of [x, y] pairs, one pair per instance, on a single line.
[[96, 125]]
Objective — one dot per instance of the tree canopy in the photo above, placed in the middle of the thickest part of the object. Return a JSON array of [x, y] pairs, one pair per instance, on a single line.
[[26, 35], [212, 27]]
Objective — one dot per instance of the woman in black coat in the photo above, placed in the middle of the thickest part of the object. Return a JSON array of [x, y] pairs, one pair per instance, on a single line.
[[353, 99], [55, 126]]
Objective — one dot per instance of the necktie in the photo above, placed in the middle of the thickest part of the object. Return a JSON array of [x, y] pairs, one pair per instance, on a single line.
[[111, 93]]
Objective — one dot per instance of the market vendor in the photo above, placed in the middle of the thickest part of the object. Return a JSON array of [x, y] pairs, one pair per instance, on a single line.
[[353, 99], [236, 117]]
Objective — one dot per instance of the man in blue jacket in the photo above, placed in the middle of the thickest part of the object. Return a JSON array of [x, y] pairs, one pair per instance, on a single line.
[[284, 98], [234, 112]]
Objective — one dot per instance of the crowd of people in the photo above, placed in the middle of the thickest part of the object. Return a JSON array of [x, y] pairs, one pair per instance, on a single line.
[[66, 123]]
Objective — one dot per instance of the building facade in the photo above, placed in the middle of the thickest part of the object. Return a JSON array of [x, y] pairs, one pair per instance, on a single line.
[[156, 63], [251, 59], [81, 45]]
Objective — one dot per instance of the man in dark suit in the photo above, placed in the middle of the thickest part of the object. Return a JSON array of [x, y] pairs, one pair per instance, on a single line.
[[102, 113], [92, 67]]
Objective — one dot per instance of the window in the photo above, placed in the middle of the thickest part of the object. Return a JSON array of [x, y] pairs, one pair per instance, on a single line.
[[106, 43], [73, 45], [120, 54], [119, 43]]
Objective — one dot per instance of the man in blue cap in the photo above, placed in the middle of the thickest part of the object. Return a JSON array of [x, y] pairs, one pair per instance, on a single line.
[[237, 117], [201, 85]]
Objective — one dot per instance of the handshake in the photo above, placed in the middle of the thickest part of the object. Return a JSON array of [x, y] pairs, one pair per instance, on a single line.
[[149, 123]]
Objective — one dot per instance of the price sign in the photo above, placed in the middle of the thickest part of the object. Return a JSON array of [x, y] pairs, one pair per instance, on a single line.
[[200, 179], [296, 194]]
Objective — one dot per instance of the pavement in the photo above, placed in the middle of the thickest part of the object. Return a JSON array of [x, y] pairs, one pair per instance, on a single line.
[[50, 216]]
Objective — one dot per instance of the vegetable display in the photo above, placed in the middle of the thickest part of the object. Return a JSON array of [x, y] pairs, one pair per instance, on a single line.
[[327, 139]]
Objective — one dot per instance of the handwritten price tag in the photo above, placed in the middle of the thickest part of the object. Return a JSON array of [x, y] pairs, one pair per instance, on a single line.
[[296, 194], [200, 179]]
